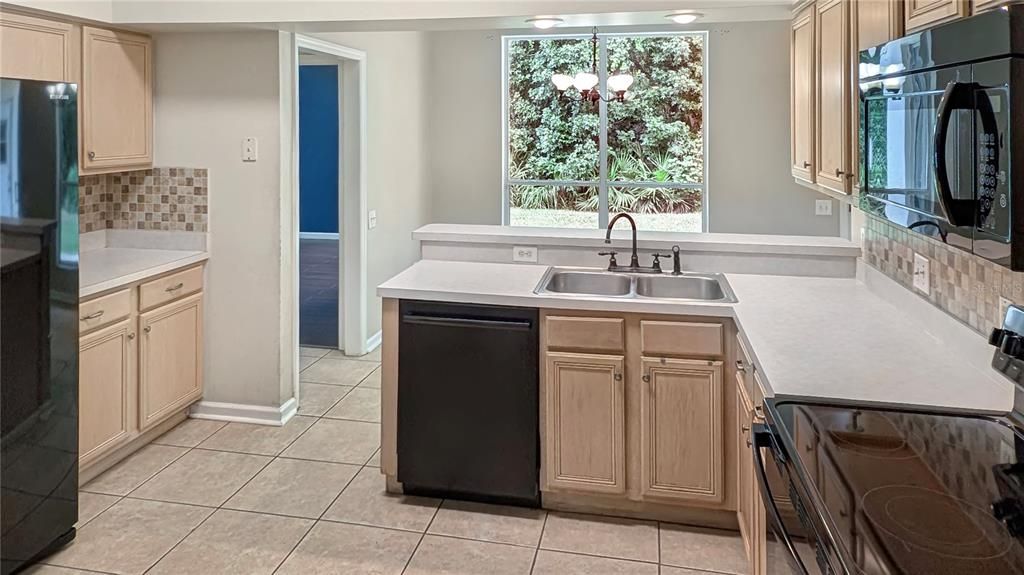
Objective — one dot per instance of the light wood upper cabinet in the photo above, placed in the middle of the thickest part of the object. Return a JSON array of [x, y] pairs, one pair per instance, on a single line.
[[982, 5], [116, 100], [106, 390], [37, 49], [681, 429], [920, 14], [170, 359], [832, 104], [585, 428], [802, 95]]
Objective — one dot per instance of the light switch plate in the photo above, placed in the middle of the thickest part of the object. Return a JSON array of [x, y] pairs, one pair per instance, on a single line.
[[922, 275], [250, 149], [371, 219], [823, 207], [524, 254]]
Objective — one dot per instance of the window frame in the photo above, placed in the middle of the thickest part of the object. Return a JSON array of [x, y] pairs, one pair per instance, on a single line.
[[602, 183]]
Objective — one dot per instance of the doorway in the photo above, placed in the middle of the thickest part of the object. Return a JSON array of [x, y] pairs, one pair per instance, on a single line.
[[319, 188]]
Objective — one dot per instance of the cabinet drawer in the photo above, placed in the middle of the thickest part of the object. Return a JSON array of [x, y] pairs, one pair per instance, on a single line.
[[681, 338], [104, 310], [588, 333], [169, 288]]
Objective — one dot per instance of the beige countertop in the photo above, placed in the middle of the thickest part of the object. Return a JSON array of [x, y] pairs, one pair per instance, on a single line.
[[830, 339], [108, 268]]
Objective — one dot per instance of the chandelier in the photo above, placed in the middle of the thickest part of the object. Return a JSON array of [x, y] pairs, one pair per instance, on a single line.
[[586, 82]]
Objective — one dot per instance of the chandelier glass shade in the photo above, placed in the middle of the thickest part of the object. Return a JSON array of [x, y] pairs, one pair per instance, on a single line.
[[586, 83]]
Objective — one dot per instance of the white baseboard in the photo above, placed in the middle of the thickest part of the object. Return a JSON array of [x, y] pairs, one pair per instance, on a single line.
[[317, 236], [373, 342], [244, 413]]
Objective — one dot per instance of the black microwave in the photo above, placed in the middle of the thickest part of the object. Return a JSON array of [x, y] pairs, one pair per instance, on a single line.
[[941, 133]]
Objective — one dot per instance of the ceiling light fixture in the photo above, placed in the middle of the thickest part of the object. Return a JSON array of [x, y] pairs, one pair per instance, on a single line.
[[586, 82], [545, 22], [684, 17]]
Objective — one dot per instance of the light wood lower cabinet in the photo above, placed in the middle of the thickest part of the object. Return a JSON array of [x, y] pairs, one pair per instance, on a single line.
[[170, 359], [585, 439], [750, 511], [681, 428], [106, 390]]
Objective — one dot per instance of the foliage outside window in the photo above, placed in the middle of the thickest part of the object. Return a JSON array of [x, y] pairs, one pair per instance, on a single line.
[[569, 163]]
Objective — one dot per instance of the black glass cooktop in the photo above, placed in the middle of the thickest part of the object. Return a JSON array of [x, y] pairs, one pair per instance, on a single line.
[[913, 492]]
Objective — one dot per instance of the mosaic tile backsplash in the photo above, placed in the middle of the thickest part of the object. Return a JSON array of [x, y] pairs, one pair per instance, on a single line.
[[963, 285], [155, 199]]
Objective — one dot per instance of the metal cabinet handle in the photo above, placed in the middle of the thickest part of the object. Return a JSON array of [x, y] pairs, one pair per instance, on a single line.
[[147, 329], [740, 366], [759, 410], [96, 315], [839, 172], [618, 377], [646, 378], [744, 428], [749, 444], [92, 155], [175, 287], [807, 164], [131, 336]]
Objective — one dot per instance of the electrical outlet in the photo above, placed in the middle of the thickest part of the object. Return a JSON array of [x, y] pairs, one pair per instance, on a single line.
[[371, 219], [249, 149], [823, 207], [922, 276], [524, 254]]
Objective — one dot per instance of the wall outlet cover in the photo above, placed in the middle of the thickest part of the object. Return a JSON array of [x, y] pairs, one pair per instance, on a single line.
[[524, 254], [371, 219], [922, 274], [823, 207], [250, 149]]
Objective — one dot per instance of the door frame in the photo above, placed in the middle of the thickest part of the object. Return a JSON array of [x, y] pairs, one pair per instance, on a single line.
[[352, 187]]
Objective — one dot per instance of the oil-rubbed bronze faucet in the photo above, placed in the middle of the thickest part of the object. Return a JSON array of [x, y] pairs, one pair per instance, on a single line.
[[634, 260]]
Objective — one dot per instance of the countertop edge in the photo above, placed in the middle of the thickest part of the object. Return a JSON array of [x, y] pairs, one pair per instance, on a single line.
[[85, 292]]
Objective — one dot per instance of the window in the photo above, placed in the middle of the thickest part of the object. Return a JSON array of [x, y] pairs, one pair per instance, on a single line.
[[570, 163]]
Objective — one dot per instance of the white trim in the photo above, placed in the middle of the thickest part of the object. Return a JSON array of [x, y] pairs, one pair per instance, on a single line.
[[244, 413], [317, 236], [373, 342]]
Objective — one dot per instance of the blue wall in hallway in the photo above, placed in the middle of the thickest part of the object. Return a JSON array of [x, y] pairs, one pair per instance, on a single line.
[[318, 149]]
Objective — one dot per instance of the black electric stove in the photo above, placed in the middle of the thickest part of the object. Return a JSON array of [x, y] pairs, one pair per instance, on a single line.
[[886, 491]]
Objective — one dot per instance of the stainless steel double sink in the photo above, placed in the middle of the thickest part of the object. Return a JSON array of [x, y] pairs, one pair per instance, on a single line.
[[587, 282]]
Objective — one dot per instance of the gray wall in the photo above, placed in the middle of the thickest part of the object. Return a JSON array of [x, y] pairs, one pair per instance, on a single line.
[[750, 188]]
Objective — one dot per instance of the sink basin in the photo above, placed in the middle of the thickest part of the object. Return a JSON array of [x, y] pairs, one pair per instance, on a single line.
[[699, 287], [589, 283], [680, 287]]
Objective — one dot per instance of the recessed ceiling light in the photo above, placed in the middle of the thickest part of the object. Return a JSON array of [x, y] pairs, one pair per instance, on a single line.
[[684, 17], [545, 22]]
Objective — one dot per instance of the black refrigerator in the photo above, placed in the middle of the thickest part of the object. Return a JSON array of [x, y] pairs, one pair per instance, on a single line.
[[38, 319]]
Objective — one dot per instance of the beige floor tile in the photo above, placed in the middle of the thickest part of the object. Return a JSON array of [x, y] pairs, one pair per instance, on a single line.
[[202, 477], [234, 542], [361, 404], [337, 371], [496, 523], [92, 504], [335, 548], [557, 563], [448, 556], [337, 440], [306, 361], [365, 501], [190, 433], [122, 478], [372, 380], [696, 548], [294, 487], [258, 439], [605, 536], [130, 536], [316, 398], [669, 570], [373, 356], [315, 352], [375, 460], [53, 570]]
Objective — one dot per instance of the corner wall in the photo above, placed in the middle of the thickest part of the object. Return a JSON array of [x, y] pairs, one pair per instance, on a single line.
[[750, 188]]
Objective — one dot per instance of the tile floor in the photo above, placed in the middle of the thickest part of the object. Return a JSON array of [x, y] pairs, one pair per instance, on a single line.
[[308, 498]]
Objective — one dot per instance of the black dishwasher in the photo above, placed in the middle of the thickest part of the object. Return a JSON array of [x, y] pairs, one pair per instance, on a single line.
[[467, 402]]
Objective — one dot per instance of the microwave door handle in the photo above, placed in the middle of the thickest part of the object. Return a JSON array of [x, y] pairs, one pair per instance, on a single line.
[[762, 438], [947, 105]]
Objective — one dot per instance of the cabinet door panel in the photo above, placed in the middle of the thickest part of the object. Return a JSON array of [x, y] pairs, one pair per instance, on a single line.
[[36, 49], [170, 359], [802, 96], [922, 14], [584, 420], [833, 95], [117, 99], [681, 429], [106, 390]]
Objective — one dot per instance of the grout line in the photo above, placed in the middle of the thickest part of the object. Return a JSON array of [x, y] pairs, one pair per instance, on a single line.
[[536, 551], [175, 546], [422, 536], [145, 481], [614, 557]]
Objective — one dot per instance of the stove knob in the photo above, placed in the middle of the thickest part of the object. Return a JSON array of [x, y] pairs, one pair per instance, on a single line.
[[1004, 508], [1012, 345], [996, 337]]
